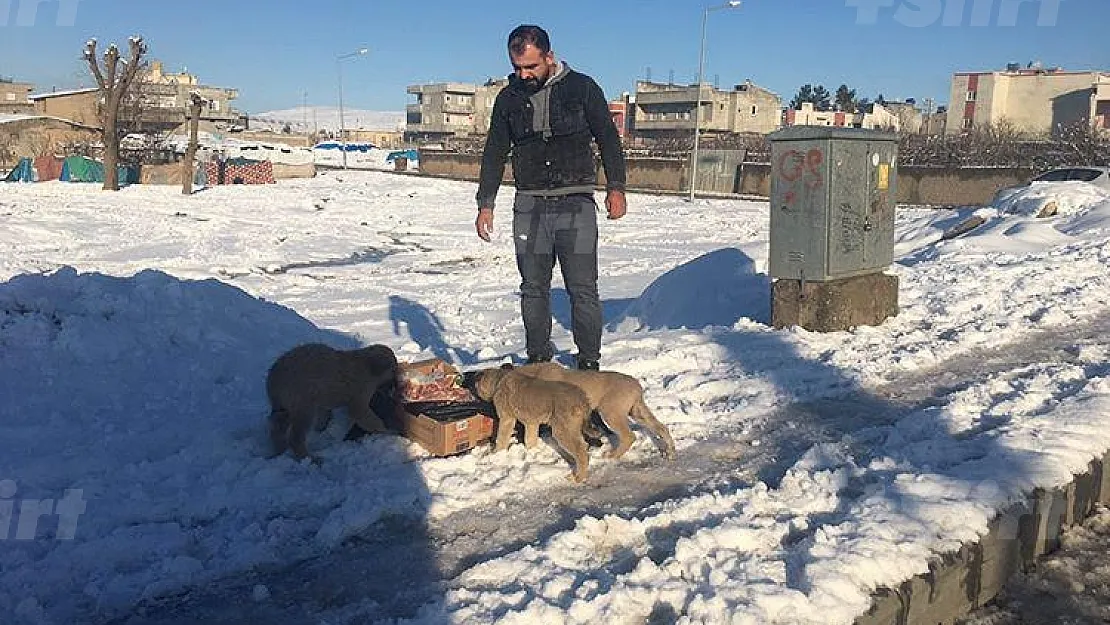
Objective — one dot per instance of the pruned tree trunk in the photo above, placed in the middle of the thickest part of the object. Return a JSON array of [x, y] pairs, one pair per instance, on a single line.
[[113, 82], [195, 104]]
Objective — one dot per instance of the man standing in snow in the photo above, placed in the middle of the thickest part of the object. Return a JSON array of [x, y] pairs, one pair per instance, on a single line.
[[547, 116]]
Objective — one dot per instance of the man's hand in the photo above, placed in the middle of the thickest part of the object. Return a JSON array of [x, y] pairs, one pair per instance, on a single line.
[[616, 204], [484, 223]]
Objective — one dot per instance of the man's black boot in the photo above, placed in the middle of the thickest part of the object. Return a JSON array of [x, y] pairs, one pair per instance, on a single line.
[[588, 365]]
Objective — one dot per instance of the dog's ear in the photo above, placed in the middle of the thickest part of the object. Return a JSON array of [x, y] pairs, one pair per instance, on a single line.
[[380, 359]]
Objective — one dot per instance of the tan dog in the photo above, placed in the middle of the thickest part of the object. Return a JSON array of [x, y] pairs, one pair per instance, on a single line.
[[306, 383], [534, 402], [615, 396]]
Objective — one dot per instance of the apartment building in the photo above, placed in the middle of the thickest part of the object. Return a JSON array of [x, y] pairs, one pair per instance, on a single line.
[[1034, 99], [663, 110], [450, 109], [874, 116]]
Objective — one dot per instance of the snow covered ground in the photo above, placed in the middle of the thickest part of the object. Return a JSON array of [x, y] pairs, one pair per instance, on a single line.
[[136, 329]]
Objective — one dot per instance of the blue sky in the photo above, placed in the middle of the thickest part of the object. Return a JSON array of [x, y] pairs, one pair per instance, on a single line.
[[274, 51]]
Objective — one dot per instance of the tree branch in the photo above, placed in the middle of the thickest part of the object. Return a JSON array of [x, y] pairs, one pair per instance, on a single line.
[[94, 66], [138, 49], [111, 62]]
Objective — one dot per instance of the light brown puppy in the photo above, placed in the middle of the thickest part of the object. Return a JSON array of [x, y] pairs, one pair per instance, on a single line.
[[534, 402], [616, 397], [307, 382]]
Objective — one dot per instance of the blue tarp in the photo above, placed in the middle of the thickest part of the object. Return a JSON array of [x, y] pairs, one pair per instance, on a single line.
[[411, 155], [23, 172], [350, 147]]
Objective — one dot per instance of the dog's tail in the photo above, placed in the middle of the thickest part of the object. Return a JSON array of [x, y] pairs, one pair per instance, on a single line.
[[641, 414]]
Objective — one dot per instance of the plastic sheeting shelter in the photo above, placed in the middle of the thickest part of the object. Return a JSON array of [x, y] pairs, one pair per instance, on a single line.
[[49, 167], [81, 169], [409, 155], [23, 172], [240, 171]]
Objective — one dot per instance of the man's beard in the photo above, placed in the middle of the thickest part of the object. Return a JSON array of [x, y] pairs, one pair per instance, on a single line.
[[533, 84]]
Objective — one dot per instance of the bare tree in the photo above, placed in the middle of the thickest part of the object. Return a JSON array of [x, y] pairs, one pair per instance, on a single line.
[[195, 104], [7, 149], [113, 81]]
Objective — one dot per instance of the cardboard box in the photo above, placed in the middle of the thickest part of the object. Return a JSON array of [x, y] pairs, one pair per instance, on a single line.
[[443, 436], [437, 383]]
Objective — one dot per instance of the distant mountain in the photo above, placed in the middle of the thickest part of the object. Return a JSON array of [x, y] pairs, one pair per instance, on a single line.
[[312, 118]]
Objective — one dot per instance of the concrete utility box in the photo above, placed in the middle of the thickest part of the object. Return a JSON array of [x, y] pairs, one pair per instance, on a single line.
[[833, 194], [832, 202]]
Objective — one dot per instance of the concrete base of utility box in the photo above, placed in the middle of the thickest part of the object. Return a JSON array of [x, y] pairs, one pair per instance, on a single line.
[[835, 305]]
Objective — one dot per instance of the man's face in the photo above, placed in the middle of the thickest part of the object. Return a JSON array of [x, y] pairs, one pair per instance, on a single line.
[[532, 66]]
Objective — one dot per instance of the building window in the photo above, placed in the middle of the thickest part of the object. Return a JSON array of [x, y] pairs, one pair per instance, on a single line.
[[971, 95], [686, 115], [755, 110], [214, 105], [968, 122]]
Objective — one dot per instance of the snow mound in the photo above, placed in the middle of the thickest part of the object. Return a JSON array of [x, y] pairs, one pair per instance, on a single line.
[[717, 289], [144, 396], [1070, 198]]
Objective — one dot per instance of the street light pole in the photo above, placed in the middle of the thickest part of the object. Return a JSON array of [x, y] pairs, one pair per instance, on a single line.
[[342, 124], [697, 109]]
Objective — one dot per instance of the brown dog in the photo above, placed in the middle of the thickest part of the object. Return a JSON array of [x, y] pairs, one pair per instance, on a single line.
[[306, 383], [615, 396], [534, 402]]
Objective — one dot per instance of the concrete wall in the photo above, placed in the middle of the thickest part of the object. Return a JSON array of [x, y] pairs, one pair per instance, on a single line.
[[935, 186], [292, 140], [916, 185]]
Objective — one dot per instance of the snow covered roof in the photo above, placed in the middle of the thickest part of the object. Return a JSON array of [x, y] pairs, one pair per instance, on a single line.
[[15, 118], [55, 94], [6, 119]]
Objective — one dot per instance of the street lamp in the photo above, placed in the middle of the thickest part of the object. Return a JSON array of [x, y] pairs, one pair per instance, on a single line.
[[732, 4], [342, 125]]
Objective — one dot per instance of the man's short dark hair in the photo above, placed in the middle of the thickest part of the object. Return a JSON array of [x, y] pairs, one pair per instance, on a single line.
[[529, 35]]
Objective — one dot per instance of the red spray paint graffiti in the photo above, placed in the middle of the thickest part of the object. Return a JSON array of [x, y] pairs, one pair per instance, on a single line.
[[793, 165]]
